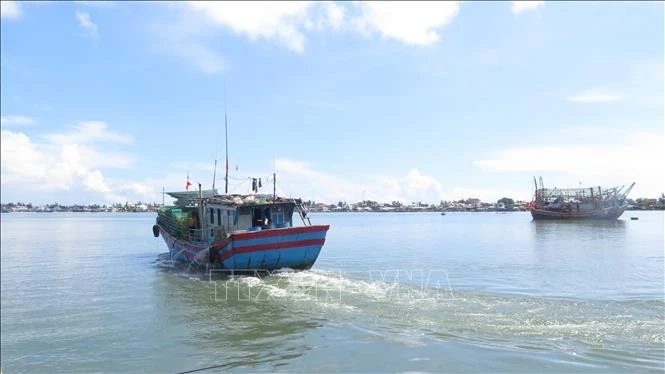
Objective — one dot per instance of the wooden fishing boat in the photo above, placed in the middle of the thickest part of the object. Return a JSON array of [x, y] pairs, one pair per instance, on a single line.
[[578, 203], [241, 233]]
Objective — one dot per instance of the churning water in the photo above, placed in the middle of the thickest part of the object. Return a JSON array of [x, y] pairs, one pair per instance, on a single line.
[[397, 292]]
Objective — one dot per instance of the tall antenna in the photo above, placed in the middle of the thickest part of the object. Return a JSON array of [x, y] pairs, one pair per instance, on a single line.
[[214, 173], [226, 137], [214, 176]]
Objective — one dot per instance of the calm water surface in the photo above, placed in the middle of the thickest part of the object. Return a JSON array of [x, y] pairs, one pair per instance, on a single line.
[[395, 292]]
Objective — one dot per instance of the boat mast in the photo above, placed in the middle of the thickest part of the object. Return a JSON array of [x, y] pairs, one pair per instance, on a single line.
[[625, 194], [226, 138], [214, 176]]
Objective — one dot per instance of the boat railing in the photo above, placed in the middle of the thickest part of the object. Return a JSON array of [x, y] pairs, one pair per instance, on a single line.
[[195, 235], [167, 222], [303, 213], [173, 226]]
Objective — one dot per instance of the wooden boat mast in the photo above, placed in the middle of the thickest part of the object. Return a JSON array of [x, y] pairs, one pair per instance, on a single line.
[[226, 138], [214, 174]]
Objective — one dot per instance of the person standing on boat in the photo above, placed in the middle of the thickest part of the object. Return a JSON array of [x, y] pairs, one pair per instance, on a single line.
[[193, 222]]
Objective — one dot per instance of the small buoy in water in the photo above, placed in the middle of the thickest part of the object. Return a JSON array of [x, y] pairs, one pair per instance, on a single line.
[[634, 218]]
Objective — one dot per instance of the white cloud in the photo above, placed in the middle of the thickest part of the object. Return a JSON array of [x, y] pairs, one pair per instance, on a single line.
[[96, 3], [410, 22], [637, 159], [279, 20], [283, 21], [522, 6], [334, 15], [190, 37], [95, 181], [325, 15], [21, 157], [88, 132], [291, 166], [17, 120], [303, 181], [416, 186], [595, 96], [147, 190], [71, 161], [136, 188], [85, 22], [10, 9], [184, 39], [414, 22]]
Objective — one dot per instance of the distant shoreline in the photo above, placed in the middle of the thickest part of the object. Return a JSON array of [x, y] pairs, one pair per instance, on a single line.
[[336, 211], [503, 205]]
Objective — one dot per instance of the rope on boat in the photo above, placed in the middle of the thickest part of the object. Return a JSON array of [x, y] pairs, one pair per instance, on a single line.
[[171, 250]]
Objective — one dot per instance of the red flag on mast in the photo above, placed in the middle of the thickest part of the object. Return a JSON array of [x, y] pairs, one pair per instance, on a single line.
[[188, 183]]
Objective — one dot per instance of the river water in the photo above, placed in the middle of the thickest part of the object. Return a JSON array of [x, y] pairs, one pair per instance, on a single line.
[[390, 292]]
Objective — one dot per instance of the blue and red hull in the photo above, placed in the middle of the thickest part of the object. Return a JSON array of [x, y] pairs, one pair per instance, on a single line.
[[266, 250]]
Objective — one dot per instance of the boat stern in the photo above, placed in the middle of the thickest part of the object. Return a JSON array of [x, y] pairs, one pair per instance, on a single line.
[[271, 249]]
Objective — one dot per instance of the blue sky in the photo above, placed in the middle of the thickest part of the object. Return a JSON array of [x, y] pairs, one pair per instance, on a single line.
[[111, 101]]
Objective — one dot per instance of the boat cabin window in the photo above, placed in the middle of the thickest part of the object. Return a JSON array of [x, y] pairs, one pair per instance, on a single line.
[[243, 219], [219, 217], [261, 216], [278, 218], [212, 216]]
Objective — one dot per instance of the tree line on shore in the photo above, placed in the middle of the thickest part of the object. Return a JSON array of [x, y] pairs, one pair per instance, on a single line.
[[462, 205], [503, 204], [56, 207]]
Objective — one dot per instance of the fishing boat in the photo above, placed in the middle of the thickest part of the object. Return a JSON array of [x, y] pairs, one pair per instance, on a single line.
[[578, 203], [238, 232], [252, 232]]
